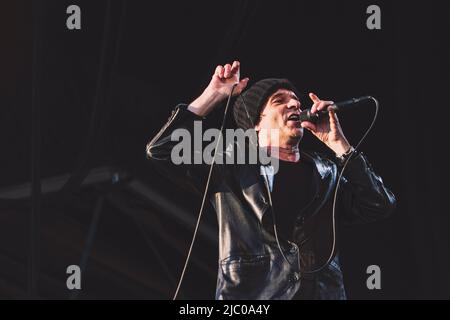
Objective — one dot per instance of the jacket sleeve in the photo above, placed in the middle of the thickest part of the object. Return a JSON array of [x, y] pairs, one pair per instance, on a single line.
[[365, 198], [159, 151]]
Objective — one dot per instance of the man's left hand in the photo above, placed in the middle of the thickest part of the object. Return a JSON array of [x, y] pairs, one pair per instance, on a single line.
[[329, 130]]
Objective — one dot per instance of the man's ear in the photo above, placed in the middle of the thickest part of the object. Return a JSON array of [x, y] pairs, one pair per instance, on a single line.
[[258, 125]]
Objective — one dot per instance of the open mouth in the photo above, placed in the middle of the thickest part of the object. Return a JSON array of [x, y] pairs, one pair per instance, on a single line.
[[294, 117]]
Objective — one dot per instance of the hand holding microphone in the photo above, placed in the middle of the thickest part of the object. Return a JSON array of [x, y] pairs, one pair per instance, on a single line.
[[329, 132]]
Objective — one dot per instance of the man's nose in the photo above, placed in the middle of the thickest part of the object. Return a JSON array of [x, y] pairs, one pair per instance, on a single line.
[[293, 104]]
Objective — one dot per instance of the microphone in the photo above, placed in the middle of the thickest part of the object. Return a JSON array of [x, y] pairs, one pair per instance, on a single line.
[[307, 115]]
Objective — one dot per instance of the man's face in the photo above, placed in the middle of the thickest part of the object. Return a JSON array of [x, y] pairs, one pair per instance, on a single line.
[[281, 112]]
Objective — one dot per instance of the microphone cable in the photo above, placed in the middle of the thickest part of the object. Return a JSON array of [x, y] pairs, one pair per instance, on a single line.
[[204, 194], [330, 257], [333, 248], [266, 183]]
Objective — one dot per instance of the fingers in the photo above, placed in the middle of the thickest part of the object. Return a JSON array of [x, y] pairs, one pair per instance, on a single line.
[[319, 104], [219, 71], [228, 71], [323, 105], [313, 97], [316, 101], [235, 69], [235, 66], [334, 121], [309, 125]]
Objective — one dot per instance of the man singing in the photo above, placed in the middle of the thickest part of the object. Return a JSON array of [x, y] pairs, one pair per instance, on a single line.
[[277, 236]]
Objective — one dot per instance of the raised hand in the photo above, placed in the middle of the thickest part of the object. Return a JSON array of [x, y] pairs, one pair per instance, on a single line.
[[219, 88], [225, 76]]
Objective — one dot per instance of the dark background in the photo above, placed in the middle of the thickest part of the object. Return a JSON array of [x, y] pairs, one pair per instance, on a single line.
[[77, 108]]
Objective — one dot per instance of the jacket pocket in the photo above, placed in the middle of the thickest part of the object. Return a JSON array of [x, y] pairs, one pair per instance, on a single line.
[[244, 277], [244, 262]]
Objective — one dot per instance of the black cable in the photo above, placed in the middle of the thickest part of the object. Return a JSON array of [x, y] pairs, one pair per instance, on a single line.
[[274, 219], [270, 199], [204, 193], [330, 257], [334, 198]]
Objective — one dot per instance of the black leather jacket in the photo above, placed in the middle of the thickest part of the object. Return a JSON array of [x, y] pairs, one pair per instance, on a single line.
[[251, 265]]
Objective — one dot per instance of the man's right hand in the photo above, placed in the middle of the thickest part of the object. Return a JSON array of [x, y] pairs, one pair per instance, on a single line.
[[219, 88]]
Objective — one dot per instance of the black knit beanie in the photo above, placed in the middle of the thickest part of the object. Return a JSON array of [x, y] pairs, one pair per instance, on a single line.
[[248, 106]]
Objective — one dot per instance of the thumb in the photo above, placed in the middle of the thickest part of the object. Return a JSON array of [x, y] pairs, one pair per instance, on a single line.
[[241, 86], [309, 125]]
